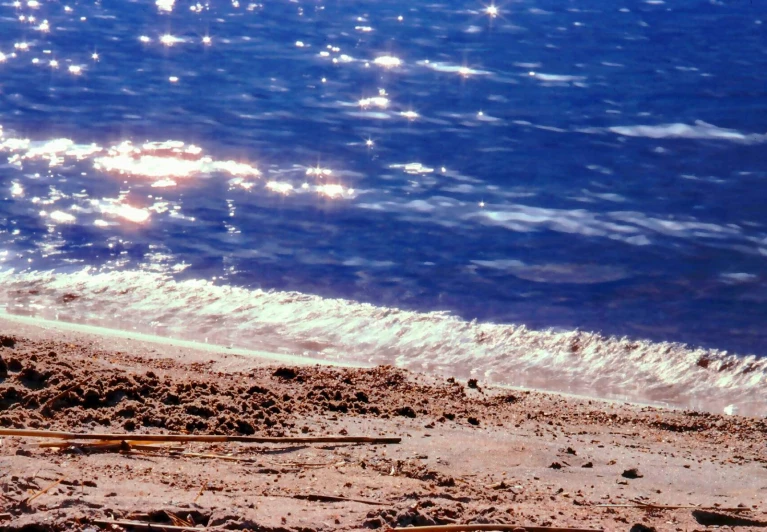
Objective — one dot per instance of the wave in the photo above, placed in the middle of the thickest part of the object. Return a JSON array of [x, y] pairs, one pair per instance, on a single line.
[[338, 330], [700, 131]]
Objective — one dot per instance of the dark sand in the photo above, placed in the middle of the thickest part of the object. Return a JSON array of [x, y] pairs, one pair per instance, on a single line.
[[469, 454]]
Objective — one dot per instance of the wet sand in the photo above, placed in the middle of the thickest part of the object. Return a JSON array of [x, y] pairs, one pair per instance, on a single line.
[[469, 453]]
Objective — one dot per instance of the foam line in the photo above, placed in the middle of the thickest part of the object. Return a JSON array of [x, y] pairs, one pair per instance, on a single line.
[[349, 332]]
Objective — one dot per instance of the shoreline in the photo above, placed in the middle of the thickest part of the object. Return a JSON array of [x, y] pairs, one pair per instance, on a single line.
[[44, 328], [470, 453]]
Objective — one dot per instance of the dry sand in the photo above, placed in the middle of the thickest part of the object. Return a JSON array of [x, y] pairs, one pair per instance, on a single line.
[[469, 453]]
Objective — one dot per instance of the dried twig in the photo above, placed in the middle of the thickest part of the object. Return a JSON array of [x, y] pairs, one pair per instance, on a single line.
[[176, 520], [136, 444], [333, 498], [325, 498], [45, 489], [225, 457], [58, 396], [29, 433], [651, 506], [142, 525], [511, 528], [199, 494]]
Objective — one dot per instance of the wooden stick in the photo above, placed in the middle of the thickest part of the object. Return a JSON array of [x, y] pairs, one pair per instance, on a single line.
[[29, 433], [199, 494], [510, 528], [36, 495], [217, 456], [333, 498], [176, 520], [111, 445], [673, 507], [142, 525], [53, 399]]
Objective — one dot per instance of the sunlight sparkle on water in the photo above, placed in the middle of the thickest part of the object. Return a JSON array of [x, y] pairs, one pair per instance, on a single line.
[[388, 61], [282, 188], [331, 191], [62, 217], [170, 40], [376, 101], [319, 172], [165, 5]]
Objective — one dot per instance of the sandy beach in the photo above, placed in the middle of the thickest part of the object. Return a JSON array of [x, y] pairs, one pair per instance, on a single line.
[[469, 453]]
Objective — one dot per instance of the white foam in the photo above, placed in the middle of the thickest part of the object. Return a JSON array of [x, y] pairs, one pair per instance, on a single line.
[[701, 130], [350, 332]]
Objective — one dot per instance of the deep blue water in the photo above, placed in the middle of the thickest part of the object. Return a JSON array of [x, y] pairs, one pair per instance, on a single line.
[[595, 165]]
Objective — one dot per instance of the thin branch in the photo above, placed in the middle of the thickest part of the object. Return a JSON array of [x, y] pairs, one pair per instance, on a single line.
[[58, 396], [510, 528], [142, 525], [649, 506], [45, 489], [29, 433]]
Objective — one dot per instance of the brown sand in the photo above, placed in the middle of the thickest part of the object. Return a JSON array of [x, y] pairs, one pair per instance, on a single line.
[[469, 454]]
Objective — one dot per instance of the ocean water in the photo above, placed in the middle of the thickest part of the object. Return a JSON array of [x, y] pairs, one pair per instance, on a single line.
[[566, 195]]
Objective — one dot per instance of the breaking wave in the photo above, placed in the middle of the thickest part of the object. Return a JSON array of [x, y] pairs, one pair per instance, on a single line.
[[700, 130], [345, 331]]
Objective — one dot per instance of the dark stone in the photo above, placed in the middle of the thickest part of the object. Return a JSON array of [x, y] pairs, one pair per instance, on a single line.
[[285, 373], [631, 473], [405, 411], [7, 341]]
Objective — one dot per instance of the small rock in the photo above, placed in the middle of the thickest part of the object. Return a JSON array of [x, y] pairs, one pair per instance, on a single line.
[[588, 465], [556, 465], [473, 384], [631, 473], [570, 450], [473, 421]]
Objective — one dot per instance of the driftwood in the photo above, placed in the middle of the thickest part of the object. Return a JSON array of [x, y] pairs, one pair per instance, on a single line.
[[211, 438], [143, 525], [510, 528]]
